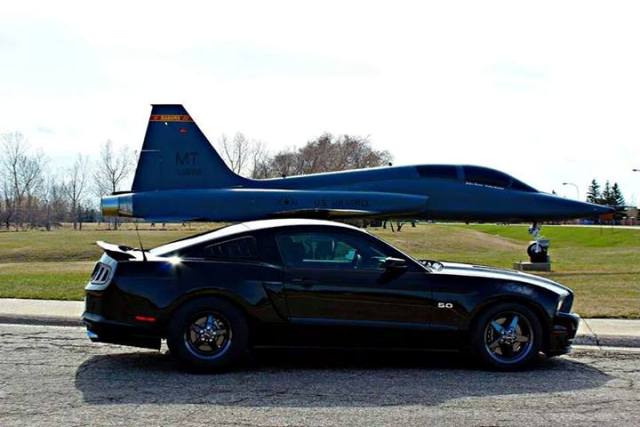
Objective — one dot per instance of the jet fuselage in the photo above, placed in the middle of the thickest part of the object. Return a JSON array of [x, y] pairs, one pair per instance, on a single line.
[[180, 177]]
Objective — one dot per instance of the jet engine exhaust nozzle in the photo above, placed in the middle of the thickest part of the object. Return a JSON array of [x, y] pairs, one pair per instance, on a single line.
[[117, 205]]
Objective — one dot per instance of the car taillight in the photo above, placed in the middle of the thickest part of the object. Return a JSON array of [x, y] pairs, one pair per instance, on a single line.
[[148, 319]]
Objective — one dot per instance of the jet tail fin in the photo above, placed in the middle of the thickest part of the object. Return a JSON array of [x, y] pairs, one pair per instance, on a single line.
[[176, 155]]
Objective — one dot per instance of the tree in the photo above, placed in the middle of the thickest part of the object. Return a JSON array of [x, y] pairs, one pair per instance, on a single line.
[[6, 211], [244, 156], [593, 192], [23, 176], [607, 195], [236, 152], [285, 163], [54, 204], [74, 188], [112, 170], [259, 160], [327, 153], [616, 195]]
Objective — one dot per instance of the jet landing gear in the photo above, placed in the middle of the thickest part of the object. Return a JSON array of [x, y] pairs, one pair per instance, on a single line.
[[538, 251]]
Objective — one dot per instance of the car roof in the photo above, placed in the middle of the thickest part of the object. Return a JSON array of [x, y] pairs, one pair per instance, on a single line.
[[242, 227], [289, 222]]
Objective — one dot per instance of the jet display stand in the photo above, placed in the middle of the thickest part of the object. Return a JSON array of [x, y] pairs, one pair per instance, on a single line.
[[538, 251]]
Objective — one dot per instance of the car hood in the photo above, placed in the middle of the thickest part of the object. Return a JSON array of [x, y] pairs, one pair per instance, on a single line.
[[470, 270]]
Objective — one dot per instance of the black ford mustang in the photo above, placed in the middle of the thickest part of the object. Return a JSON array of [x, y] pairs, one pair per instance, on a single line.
[[317, 283]]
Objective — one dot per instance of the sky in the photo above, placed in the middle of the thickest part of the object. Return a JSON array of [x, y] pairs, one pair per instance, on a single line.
[[546, 91]]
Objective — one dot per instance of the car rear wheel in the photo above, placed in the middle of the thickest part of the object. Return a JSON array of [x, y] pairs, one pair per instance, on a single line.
[[208, 334], [507, 336]]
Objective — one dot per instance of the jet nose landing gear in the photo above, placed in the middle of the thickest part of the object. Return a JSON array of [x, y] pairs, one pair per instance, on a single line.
[[538, 251]]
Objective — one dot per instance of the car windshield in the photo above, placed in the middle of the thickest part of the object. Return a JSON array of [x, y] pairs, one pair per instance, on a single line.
[[418, 262]]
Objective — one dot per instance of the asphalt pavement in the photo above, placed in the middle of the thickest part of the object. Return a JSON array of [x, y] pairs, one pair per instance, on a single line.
[[54, 376]]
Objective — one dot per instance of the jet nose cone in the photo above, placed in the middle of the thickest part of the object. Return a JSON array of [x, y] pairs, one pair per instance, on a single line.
[[592, 209], [566, 208]]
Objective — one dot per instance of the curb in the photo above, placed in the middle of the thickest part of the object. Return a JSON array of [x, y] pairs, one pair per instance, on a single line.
[[40, 320], [608, 340]]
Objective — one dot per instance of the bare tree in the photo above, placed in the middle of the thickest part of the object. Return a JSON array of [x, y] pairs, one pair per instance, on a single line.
[[236, 152], [14, 149], [112, 170], [259, 160], [32, 177], [54, 204], [244, 156], [74, 188], [286, 163], [326, 154], [7, 203], [23, 176]]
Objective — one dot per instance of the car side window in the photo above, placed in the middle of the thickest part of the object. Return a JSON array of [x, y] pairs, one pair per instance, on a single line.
[[240, 248], [328, 250]]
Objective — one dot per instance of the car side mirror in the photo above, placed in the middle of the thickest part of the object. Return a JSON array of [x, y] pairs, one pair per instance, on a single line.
[[391, 263]]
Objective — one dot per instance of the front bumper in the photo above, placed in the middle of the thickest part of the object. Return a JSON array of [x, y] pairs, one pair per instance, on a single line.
[[563, 331], [100, 329]]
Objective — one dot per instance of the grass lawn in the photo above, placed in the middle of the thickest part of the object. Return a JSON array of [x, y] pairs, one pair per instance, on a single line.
[[44, 280], [602, 265]]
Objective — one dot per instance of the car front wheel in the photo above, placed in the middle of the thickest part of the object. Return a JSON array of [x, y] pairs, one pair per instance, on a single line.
[[208, 334], [507, 336]]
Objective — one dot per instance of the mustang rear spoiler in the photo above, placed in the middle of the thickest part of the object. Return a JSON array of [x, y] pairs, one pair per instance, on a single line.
[[117, 252]]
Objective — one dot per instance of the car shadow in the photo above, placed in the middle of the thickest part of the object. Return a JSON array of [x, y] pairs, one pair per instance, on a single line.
[[321, 378]]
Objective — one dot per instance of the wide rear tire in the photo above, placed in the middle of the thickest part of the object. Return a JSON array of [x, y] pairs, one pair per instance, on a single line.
[[507, 336], [208, 335]]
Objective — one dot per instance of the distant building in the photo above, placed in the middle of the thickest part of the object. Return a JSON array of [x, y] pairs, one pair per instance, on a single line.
[[631, 213]]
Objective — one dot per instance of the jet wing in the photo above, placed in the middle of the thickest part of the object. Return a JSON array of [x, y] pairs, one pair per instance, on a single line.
[[324, 213], [346, 204]]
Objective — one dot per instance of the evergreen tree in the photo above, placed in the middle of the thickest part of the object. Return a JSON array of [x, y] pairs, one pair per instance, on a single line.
[[617, 196], [593, 192], [607, 195]]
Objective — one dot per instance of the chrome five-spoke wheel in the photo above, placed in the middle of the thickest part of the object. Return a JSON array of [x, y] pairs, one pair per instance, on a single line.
[[508, 337], [208, 335]]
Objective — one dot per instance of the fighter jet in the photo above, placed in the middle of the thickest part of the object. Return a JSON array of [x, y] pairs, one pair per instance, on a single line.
[[181, 177]]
